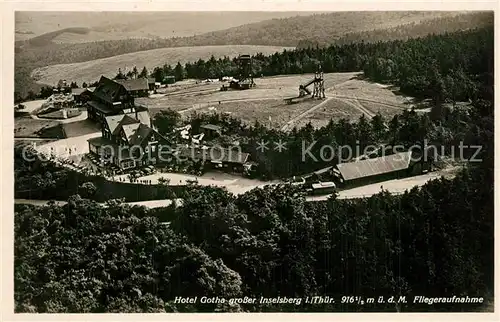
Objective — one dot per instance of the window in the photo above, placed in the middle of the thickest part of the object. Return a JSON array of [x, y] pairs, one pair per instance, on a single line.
[[152, 138], [128, 164]]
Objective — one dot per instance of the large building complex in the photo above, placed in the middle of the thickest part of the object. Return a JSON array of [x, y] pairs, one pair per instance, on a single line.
[[128, 141], [111, 98]]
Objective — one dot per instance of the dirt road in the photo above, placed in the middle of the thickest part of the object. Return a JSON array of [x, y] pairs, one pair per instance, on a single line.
[[357, 105], [233, 183], [397, 186], [303, 114]]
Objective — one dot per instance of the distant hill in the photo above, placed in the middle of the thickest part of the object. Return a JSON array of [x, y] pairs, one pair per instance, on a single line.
[[47, 38], [302, 31], [53, 26], [90, 71], [413, 30], [321, 28]]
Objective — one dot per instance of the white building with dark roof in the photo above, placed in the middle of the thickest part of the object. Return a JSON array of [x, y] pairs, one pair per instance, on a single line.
[[128, 141]]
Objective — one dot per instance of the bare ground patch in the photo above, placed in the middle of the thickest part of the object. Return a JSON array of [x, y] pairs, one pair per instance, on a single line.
[[333, 109], [350, 97], [273, 112]]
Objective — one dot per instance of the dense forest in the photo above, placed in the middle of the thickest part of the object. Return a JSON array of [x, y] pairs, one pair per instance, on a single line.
[[436, 240], [84, 257], [311, 32]]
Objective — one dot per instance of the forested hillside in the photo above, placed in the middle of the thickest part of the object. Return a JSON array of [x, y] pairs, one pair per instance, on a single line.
[[297, 31], [423, 28], [321, 28]]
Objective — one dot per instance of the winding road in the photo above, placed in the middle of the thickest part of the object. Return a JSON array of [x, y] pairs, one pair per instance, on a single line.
[[395, 187]]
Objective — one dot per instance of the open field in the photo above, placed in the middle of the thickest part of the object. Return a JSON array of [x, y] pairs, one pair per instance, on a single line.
[[272, 112], [65, 148], [386, 110], [335, 109], [366, 91], [349, 98], [179, 97], [91, 71]]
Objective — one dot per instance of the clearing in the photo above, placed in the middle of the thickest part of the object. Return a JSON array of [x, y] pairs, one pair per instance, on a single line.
[[91, 71], [348, 96], [271, 112], [333, 109]]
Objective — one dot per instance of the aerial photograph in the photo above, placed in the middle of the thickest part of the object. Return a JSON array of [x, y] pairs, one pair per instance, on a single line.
[[246, 161]]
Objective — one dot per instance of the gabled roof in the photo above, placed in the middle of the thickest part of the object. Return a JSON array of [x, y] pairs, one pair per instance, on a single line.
[[108, 90], [137, 84], [115, 122], [376, 166], [142, 116], [140, 134], [100, 107], [129, 130]]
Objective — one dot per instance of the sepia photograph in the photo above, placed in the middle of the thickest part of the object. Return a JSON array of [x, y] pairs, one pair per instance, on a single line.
[[253, 161]]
